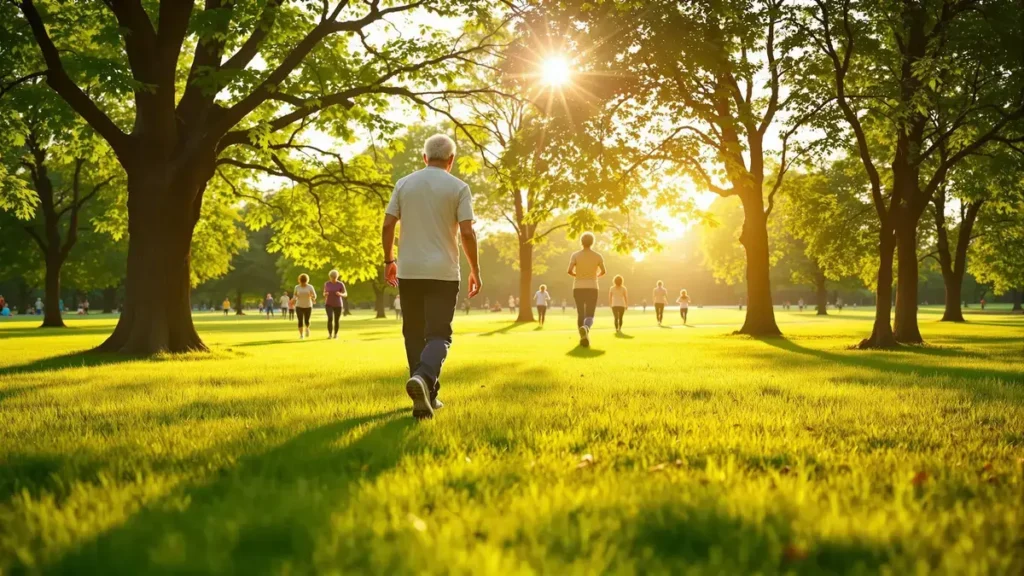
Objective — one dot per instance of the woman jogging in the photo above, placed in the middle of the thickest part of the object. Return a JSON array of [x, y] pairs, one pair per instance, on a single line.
[[684, 304], [268, 305], [226, 305], [542, 299], [660, 299], [585, 266], [334, 292], [283, 303], [291, 307], [304, 298], [618, 299]]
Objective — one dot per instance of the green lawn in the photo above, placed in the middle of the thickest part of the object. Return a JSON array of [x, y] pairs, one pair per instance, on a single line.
[[684, 450]]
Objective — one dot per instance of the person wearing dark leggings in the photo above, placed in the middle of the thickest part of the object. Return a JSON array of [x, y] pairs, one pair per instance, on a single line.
[[542, 299], [585, 266], [334, 292], [618, 299], [660, 299], [305, 297]]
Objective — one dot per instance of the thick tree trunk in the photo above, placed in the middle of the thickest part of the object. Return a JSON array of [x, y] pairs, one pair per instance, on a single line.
[[760, 319], [51, 294], [953, 283], [525, 280], [821, 292], [881, 333], [239, 305], [345, 311], [905, 325], [157, 313], [1017, 300], [109, 299]]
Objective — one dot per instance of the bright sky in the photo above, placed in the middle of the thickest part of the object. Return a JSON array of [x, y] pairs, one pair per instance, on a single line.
[[555, 73]]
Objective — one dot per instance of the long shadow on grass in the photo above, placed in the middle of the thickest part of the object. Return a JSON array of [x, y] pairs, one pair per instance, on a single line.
[[504, 329], [274, 507], [73, 360], [900, 362]]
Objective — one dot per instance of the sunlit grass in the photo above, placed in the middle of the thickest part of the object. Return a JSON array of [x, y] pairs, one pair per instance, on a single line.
[[709, 453]]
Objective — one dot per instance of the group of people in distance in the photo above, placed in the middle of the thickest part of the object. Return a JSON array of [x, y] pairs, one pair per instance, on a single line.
[[300, 303], [586, 266]]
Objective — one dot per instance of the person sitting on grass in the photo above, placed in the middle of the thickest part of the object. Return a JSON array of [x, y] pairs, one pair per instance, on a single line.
[[618, 299], [435, 208], [684, 304], [585, 266]]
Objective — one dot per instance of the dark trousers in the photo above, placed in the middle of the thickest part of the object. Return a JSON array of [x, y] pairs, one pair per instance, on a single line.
[[659, 311], [586, 305], [303, 314], [541, 313], [333, 319], [618, 312], [428, 307], [682, 314]]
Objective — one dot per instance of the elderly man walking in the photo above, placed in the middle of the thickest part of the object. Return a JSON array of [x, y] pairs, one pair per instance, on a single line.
[[434, 208]]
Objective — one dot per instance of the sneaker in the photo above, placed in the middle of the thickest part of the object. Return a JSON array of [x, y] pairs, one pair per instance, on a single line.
[[437, 404], [584, 336], [301, 337], [307, 332], [416, 388]]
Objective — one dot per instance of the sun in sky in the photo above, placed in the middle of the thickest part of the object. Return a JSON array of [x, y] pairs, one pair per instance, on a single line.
[[555, 71]]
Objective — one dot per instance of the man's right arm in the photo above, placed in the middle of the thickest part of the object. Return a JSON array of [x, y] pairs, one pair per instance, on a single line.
[[470, 248], [387, 237]]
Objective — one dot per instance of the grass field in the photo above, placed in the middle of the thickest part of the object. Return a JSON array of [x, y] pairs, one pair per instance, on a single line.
[[684, 450]]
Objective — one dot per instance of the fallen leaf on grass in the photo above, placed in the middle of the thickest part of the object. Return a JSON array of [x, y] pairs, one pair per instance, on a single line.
[[657, 467], [987, 467], [585, 460], [785, 470], [919, 478], [793, 553]]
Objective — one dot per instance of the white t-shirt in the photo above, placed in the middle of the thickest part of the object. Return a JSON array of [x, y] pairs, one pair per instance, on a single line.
[[618, 294], [683, 301], [304, 296], [661, 295], [587, 263], [430, 203], [284, 301], [541, 298]]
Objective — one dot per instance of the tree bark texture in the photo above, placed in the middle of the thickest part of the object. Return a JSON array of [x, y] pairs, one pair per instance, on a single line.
[[760, 318]]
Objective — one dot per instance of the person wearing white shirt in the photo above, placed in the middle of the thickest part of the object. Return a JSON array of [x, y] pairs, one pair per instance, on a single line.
[[305, 297], [435, 209], [284, 305], [660, 299], [618, 299], [542, 299], [684, 304]]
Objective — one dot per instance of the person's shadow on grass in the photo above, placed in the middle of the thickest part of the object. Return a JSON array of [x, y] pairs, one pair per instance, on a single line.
[[273, 506], [624, 336], [585, 352]]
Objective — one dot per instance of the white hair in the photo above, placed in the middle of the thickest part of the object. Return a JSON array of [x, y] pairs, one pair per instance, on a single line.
[[439, 147], [333, 274]]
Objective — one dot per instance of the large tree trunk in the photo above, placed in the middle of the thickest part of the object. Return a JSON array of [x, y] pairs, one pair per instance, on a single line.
[[821, 291], [51, 294], [109, 299], [953, 283], [157, 313], [881, 333], [239, 304], [905, 325], [525, 279], [380, 292], [760, 319], [1017, 300]]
